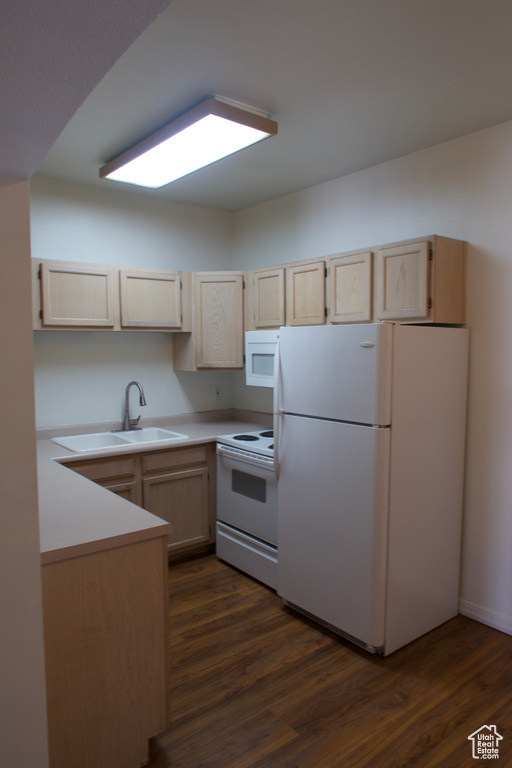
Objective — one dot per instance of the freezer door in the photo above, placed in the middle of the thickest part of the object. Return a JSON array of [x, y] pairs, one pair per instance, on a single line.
[[337, 372], [333, 513]]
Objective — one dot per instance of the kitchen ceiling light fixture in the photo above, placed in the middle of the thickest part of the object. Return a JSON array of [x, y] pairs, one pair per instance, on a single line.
[[208, 132]]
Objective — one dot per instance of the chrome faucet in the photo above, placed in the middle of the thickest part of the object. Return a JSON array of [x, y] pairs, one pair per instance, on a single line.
[[127, 422]]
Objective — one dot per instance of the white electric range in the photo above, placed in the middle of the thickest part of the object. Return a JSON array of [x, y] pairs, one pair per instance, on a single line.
[[247, 504]]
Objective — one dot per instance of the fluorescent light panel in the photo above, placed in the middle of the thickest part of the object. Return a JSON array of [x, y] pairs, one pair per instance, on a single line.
[[212, 130]]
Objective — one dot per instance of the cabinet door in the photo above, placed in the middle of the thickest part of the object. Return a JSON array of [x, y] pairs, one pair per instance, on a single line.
[[150, 298], [403, 282], [76, 295], [218, 315], [305, 294], [269, 294], [128, 491], [181, 498], [350, 288]]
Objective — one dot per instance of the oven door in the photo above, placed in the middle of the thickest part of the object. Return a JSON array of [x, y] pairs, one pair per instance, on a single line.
[[247, 496]]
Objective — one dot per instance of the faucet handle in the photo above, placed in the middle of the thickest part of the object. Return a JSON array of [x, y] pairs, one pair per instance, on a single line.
[[134, 422]]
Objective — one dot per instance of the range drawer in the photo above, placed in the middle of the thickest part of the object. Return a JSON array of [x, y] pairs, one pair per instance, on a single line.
[[250, 555]]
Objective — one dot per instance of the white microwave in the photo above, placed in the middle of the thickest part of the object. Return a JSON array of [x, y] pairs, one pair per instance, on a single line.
[[260, 351]]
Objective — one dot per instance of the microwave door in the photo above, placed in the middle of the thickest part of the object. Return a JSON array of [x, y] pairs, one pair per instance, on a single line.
[[262, 367]]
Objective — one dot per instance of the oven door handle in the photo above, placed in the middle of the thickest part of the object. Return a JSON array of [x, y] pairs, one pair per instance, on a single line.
[[277, 409], [224, 450]]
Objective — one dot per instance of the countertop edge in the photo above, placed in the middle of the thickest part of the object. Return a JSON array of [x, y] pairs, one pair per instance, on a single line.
[[102, 545]]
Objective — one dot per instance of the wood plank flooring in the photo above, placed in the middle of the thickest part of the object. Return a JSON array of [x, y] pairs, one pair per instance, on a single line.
[[254, 685]]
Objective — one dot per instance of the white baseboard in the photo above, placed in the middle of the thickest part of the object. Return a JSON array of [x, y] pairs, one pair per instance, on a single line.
[[485, 616]]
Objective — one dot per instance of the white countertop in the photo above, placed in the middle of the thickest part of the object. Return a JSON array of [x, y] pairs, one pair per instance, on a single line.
[[78, 517]]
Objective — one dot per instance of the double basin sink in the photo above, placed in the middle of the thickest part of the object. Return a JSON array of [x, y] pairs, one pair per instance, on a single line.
[[99, 440]]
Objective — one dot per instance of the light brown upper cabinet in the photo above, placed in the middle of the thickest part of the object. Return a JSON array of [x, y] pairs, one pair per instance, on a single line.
[[305, 293], [74, 295], [150, 298], [350, 288], [217, 337], [403, 282], [268, 297], [422, 280]]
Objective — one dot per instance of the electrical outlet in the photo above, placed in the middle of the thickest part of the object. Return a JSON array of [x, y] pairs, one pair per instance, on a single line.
[[217, 393]]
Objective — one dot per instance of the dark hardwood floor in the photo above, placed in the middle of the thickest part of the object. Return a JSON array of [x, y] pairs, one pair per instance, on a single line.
[[255, 685]]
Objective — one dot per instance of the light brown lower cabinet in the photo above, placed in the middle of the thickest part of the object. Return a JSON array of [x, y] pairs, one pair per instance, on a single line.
[[181, 499], [105, 625], [120, 475], [176, 485]]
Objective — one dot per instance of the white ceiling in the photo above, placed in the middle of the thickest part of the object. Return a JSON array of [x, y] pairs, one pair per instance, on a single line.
[[351, 83], [52, 54]]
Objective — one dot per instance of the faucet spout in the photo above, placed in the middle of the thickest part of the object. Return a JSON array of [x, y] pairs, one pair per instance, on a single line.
[[129, 423]]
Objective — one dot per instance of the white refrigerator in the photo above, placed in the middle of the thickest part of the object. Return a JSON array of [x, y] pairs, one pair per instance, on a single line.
[[369, 446]]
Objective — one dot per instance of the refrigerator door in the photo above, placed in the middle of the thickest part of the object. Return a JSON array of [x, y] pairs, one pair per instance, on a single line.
[[340, 372], [333, 513]]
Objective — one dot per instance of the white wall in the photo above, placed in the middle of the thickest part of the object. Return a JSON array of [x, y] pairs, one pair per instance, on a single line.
[[81, 377], [460, 189], [79, 223], [23, 740]]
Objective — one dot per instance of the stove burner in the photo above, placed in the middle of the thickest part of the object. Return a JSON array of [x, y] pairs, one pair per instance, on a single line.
[[248, 438], [268, 433]]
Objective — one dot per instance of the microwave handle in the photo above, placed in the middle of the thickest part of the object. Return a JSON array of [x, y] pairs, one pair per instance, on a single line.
[[277, 410]]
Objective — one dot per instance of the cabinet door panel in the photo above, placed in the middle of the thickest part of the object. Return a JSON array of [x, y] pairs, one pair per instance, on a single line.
[[128, 491], [350, 288], [150, 299], [181, 498], [305, 294], [219, 320], [268, 286], [77, 295], [403, 282]]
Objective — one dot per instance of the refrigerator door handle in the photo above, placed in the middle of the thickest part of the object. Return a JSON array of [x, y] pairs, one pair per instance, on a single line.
[[277, 410]]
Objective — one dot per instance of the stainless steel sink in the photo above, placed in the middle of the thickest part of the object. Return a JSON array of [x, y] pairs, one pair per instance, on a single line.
[[102, 440]]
